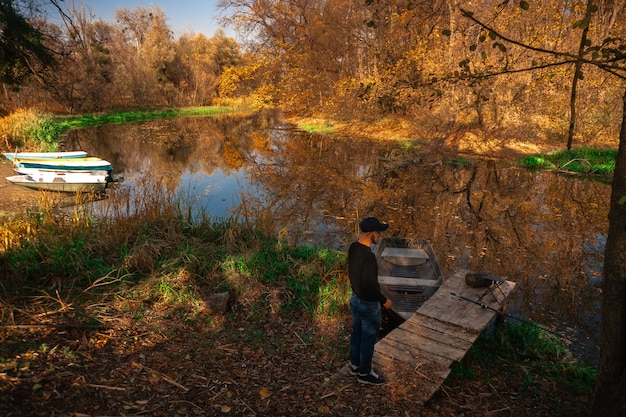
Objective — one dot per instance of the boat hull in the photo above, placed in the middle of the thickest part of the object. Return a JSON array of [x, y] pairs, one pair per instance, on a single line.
[[60, 183], [40, 171], [83, 164], [45, 155], [408, 273]]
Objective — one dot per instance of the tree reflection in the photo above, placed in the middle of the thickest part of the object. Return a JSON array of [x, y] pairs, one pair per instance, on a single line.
[[537, 229], [544, 231]]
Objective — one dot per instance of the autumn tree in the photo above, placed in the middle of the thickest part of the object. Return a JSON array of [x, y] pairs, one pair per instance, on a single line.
[[84, 75], [602, 54], [303, 48], [607, 55], [149, 63], [23, 49], [205, 60]]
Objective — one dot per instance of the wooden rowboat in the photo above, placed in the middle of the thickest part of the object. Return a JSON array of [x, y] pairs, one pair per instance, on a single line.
[[408, 273]]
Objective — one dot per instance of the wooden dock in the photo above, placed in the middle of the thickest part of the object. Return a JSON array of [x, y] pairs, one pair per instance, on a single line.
[[421, 350]]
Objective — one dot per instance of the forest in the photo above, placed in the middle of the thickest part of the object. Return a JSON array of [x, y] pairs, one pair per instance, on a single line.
[[506, 67]]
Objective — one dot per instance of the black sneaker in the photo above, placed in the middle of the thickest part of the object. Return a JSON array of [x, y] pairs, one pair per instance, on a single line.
[[354, 370], [372, 378]]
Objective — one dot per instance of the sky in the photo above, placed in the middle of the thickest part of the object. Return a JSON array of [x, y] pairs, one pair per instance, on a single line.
[[183, 15]]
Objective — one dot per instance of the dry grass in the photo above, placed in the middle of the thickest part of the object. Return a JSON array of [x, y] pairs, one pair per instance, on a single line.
[[16, 129]]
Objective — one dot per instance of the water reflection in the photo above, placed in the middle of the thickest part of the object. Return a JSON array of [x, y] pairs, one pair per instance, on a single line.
[[544, 231]]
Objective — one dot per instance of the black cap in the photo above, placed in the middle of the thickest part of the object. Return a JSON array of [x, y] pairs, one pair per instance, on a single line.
[[371, 224]]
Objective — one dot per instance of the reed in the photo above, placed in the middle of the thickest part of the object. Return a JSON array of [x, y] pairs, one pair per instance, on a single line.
[[29, 129], [148, 237]]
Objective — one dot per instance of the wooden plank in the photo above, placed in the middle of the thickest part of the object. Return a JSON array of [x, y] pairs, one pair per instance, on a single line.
[[410, 357], [446, 338], [420, 352], [411, 341], [432, 371], [449, 308], [420, 382], [436, 329]]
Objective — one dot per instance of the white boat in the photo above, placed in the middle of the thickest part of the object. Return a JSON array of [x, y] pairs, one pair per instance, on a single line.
[[45, 155], [62, 181], [40, 171], [64, 164]]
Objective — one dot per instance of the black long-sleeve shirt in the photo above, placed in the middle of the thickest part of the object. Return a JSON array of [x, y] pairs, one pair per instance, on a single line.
[[363, 273]]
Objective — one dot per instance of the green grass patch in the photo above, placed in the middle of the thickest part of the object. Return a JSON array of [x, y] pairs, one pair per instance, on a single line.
[[524, 353], [321, 128], [460, 162], [91, 120], [589, 161], [36, 131]]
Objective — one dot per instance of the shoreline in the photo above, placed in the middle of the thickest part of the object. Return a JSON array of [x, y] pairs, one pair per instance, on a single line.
[[14, 199]]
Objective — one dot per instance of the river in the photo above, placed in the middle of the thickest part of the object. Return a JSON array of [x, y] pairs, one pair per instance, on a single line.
[[545, 231]]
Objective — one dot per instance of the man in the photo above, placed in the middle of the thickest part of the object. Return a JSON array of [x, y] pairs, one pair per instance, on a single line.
[[366, 301]]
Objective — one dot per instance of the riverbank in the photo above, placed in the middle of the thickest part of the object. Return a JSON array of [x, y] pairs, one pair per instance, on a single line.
[[14, 199], [117, 320]]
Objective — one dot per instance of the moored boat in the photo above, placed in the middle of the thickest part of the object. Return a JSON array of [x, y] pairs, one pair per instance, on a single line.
[[45, 155], [40, 171], [408, 273], [62, 181], [61, 164]]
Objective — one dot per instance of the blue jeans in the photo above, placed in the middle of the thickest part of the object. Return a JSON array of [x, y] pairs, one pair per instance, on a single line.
[[366, 320]]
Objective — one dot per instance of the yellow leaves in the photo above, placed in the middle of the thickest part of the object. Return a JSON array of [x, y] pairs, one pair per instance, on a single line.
[[265, 393]]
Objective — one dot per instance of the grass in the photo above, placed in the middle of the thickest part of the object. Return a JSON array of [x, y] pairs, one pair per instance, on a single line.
[[32, 130], [589, 161], [529, 358], [317, 126], [169, 255], [90, 120]]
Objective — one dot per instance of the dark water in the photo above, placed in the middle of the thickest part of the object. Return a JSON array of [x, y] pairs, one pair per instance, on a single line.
[[544, 231]]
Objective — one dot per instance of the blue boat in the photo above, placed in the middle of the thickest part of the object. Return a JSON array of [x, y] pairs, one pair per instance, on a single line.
[[62, 164]]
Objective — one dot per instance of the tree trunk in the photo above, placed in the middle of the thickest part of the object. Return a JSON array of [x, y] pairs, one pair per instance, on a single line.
[[578, 74], [610, 400]]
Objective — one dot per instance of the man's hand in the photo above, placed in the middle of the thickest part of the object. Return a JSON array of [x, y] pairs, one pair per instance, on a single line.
[[388, 304]]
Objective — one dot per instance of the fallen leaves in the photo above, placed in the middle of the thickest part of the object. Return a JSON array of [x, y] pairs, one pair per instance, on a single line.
[[265, 393], [178, 370]]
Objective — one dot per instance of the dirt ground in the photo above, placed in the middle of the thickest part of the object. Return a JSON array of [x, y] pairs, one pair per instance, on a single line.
[[13, 198], [158, 365]]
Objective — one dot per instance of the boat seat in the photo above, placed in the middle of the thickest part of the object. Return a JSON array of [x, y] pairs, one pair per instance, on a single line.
[[408, 282], [404, 256]]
